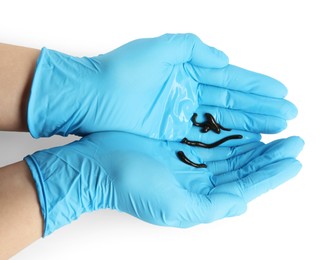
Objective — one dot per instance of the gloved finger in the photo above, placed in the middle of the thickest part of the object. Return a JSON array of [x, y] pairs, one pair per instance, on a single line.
[[238, 167], [189, 48], [235, 119], [251, 103], [269, 178], [236, 78], [221, 153], [232, 138], [275, 151], [257, 183]]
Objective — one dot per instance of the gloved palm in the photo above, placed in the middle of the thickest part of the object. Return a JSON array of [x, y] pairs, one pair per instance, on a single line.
[[152, 87], [145, 178]]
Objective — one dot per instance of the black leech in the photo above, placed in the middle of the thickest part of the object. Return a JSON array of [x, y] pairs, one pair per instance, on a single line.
[[210, 124], [186, 160], [211, 120], [206, 126], [212, 145]]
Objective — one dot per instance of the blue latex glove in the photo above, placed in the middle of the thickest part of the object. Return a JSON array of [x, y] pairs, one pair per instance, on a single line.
[[144, 178], [152, 87]]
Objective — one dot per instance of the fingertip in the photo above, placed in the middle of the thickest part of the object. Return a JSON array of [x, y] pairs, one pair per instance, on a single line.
[[276, 126], [300, 139], [294, 167], [282, 89], [296, 143], [292, 111], [298, 165], [278, 88], [222, 57]]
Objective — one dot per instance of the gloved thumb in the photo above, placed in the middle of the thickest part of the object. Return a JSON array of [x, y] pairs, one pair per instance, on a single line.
[[189, 48]]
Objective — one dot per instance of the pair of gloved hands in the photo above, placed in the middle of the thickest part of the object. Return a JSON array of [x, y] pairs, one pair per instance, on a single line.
[[133, 106]]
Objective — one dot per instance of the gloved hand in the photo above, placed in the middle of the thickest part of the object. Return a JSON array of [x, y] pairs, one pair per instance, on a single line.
[[152, 87], [145, 178]]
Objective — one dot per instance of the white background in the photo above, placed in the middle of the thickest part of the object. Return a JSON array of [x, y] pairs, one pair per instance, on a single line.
[[289, 40]]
